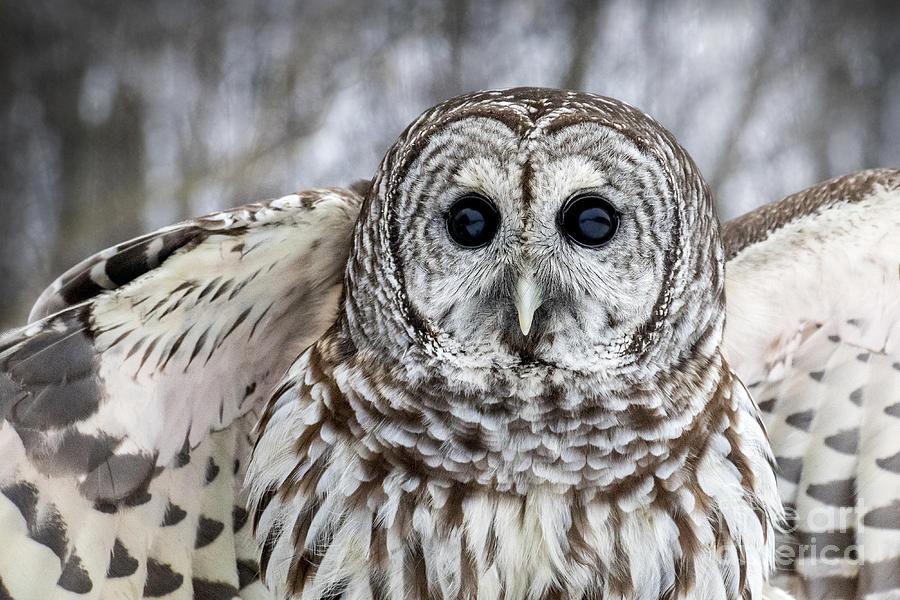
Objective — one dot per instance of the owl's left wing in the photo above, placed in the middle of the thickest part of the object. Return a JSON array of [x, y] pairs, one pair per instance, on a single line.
[[127, 405], [813, 329]]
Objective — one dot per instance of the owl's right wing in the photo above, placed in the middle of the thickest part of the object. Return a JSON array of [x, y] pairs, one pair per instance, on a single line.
[[127, 405], [813, 329]]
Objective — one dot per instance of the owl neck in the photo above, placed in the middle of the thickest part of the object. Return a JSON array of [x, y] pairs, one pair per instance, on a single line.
[[511, 434]]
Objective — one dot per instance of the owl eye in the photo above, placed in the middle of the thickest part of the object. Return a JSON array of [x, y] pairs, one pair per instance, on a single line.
[[472, 221], [589, 220]]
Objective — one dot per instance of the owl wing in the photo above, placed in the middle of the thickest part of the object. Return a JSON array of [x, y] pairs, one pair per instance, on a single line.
[[813, 329], [127, 405]]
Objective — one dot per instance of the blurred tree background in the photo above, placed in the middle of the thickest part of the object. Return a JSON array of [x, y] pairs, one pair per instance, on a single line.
[[120, 117]]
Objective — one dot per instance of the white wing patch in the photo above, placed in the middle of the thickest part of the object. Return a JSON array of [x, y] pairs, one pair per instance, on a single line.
[[814, 330], [128, 411]]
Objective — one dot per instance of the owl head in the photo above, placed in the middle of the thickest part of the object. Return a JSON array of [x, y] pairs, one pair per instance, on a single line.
[[540, 233]]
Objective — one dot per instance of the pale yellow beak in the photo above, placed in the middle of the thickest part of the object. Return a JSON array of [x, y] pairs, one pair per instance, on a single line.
[[529, 297]]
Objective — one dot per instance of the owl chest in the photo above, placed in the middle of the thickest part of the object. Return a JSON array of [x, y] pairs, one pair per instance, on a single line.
[[426, 543], [350, 517]]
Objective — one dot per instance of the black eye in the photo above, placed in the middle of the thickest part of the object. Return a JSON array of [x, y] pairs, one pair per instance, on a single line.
[[589, 220], [472, 221]]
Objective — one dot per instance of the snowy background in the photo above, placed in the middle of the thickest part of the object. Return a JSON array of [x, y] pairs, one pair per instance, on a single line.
[[120, 117]]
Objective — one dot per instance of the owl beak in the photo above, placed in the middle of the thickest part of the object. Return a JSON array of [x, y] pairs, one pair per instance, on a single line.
[[528, 299]]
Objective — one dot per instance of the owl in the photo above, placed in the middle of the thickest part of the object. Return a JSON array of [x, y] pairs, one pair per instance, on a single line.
[[523, 362]]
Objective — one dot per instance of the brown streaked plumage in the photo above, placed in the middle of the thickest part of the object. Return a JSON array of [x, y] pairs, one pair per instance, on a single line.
[[426, 441], [424, 400]]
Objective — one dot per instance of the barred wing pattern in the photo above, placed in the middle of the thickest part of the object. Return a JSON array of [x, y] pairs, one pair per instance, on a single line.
[[129, 403], [128, 406], [813, 328]]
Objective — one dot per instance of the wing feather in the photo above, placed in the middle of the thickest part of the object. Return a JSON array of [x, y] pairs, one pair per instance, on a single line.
[[813, 327], [131, 396]]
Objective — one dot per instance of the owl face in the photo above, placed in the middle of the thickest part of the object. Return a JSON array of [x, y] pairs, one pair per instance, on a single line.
[[544, 231], [545, 248]]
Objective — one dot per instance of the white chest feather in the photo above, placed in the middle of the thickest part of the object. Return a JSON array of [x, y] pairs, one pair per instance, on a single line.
[[333, 517]]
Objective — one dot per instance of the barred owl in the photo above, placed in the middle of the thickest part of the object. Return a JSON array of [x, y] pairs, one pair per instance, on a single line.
[[524, 361]]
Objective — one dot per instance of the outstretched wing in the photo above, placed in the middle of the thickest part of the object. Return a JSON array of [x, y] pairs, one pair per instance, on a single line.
[[813, 329], [127, 406]]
